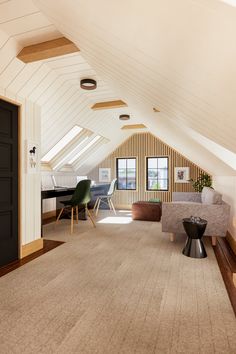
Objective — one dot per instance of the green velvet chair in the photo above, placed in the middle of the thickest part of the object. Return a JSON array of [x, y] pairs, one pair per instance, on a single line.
[[82, 197]]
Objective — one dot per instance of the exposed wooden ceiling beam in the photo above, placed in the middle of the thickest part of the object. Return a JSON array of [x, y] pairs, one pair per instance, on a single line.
[[134, 126], [48, 49], [109, 105]]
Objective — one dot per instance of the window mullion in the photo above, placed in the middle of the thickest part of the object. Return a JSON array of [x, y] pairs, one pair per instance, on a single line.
[[126, 173]]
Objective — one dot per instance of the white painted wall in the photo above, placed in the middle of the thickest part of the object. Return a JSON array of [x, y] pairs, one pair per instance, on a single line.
[[227, 186], [30, 184], [49, 205]]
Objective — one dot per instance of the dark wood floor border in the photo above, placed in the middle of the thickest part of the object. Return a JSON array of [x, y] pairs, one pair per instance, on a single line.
[[227, 263], [49, 220], [48, 245]]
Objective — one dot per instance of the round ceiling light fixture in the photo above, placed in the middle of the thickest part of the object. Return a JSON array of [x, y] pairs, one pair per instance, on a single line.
[[124, 117], [88, 84]]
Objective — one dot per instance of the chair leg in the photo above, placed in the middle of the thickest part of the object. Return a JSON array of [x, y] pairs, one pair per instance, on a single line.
[[213, 240], [59, 215], [113, 207], [95, 205], [172, 237], [72, 220], [98, 207], [109, 203], [77, 214], [90, 216]]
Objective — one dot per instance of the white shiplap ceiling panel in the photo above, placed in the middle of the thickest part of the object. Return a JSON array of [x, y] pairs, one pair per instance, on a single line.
[[45, 83], [14, 9], [25, 24], [11, 71], [42, 34], [171, 55], [23, 76], [34, 81]]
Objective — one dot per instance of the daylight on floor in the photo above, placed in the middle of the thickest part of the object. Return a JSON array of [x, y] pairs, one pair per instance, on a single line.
[[117, 177]]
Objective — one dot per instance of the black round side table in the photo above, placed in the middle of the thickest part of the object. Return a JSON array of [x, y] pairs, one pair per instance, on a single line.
[[195, 228]]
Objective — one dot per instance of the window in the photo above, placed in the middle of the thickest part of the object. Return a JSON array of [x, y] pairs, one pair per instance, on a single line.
[[126, 173], [70, 135], [65, 158], [157, 173], [82, 151]]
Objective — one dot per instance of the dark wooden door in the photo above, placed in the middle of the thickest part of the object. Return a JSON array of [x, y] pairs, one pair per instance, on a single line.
[[8, 182]]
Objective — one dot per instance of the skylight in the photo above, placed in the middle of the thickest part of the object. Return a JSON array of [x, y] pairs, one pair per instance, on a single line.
[[82, 151], [63, 160], [62, 143]]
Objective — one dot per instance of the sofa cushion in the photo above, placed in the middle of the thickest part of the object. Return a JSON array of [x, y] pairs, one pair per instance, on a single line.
[[187, 203], [186, 197], [210, 196]]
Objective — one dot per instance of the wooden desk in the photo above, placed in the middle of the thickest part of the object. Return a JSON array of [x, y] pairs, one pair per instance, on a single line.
[[96, 191], [53, 193], [56, 192]]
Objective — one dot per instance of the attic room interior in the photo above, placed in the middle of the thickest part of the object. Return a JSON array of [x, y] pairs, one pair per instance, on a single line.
[[117, 176]]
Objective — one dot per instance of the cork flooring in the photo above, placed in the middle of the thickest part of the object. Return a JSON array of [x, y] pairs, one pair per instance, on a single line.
[[119, 288]]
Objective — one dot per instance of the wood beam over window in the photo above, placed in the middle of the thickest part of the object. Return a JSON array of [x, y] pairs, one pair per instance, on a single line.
[[46, 50]]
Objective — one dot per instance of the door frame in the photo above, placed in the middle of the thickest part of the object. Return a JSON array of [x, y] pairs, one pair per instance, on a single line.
[[19, 105]]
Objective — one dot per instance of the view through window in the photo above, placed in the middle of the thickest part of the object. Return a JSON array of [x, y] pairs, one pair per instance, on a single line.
[[126, 173], [157, 173]]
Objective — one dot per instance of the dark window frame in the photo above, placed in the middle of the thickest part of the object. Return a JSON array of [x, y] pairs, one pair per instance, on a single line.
[[117, 175], [157, 157]]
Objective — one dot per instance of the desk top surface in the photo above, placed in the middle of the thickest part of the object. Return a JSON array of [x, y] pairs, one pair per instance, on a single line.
[[56, 192], [55, 189], [62, 191]]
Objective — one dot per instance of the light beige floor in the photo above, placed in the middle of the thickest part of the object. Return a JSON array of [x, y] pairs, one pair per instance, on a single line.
[[122, 288]]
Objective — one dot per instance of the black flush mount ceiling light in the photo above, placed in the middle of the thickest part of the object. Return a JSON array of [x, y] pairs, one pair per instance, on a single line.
[[124, 117], [88, 84]]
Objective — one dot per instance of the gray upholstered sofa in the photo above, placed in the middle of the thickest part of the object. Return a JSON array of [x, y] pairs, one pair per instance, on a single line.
[[207, 205]]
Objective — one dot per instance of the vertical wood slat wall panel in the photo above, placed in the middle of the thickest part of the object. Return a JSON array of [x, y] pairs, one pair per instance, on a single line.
[[141, 146]]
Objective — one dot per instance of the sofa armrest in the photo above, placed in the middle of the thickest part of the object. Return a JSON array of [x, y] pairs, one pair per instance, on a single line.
[[217, 216], [186, 197]]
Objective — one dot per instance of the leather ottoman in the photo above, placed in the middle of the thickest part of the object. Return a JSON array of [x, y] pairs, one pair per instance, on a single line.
[[147, 211]]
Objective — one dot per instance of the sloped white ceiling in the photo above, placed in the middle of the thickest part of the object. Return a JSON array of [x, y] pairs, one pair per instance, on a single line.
[[230, 2], [177, 56], [54, 84]]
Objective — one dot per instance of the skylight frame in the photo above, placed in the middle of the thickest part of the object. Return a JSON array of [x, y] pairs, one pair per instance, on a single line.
[[84, 149], [65, 158], [62, 143]]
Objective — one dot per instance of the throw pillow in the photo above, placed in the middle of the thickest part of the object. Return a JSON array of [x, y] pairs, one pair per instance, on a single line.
[[210, 196], [155, 200]]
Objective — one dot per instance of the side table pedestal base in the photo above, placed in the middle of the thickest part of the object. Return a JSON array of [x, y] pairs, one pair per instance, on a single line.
[[194, 248]]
